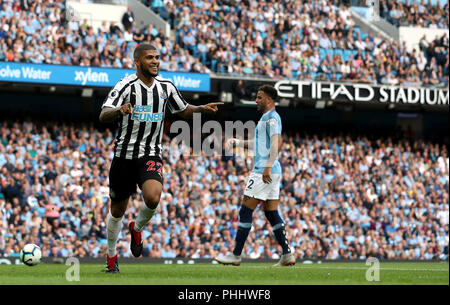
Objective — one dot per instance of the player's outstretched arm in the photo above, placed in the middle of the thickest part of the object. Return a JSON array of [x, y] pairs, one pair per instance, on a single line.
[[109, 114], [233, 142], [210, 108]]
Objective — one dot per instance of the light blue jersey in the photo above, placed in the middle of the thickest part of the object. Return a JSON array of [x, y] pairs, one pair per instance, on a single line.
[[268, 125]]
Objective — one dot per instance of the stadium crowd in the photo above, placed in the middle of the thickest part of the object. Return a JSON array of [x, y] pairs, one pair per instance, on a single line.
[[306, 39], [415, 13], [342, 197], [272, 39]]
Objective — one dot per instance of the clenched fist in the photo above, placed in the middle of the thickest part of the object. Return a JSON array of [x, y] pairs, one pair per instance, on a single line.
[[126, 109]]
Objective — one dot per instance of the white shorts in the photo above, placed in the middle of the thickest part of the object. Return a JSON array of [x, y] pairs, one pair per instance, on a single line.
[[256, 188]]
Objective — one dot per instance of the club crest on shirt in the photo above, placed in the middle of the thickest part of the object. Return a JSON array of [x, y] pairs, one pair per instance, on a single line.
[[163, 95], [272, 122]]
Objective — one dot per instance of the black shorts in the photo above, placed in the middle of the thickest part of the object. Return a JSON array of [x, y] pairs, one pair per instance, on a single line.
[[125, 174]]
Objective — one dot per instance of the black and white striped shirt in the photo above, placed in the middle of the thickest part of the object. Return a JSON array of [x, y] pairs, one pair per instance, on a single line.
[[140, 133]]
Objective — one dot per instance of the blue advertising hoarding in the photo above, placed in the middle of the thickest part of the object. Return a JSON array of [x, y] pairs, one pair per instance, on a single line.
[[91, 76]]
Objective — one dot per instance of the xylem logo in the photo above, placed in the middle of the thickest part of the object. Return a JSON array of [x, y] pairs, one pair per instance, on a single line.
[[92, 77]]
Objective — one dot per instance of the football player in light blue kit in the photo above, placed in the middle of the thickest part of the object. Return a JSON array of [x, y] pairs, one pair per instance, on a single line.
[[263, 184]]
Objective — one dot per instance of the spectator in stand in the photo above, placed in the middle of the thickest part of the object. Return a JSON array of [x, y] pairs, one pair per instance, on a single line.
[[114, 28], [412, 13], [128, 19]]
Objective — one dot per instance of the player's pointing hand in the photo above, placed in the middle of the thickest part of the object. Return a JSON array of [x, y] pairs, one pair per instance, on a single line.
[[211, 108]]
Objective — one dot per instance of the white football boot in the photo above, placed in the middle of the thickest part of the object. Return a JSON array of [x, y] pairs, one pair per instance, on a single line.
[[228, 259], [286, 260]]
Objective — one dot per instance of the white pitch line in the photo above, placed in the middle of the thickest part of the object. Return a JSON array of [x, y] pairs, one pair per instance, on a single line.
[[299, 266], [381, 268]]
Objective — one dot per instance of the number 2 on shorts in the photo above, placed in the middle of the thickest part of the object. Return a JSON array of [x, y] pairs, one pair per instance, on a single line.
[[151, 166], [250, 184]]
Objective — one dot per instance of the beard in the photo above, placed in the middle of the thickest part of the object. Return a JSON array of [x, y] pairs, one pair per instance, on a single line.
[[148, 74], [260, 107]]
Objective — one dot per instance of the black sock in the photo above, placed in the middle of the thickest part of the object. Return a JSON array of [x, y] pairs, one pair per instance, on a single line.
[[245, 224], [278, 230]]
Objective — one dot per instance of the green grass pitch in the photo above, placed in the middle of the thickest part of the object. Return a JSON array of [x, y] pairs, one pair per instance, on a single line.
[[390, 273]]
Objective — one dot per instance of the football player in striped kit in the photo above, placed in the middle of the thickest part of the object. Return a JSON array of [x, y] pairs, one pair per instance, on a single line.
[[140, 102]]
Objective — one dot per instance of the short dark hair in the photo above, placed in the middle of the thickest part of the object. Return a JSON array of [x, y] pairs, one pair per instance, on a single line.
[[270, 91], [143, 47]]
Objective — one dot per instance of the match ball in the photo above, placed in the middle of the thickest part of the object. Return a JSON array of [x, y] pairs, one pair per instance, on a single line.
[[30, 255]]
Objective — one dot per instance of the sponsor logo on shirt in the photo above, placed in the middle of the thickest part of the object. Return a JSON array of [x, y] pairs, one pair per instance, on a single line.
[[145, 114]]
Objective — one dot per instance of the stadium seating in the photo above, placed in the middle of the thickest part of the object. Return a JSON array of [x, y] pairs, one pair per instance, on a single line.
[[343, 197], [429, 13], [210, 17], [49, 38]]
